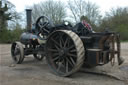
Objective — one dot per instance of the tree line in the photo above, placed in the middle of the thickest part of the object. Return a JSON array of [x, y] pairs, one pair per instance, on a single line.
[[114, 20]]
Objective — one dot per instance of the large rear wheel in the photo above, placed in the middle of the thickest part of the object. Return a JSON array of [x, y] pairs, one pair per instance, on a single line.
[[65, 52]]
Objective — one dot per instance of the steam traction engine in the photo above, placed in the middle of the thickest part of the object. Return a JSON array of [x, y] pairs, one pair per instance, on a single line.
[[67, 48]]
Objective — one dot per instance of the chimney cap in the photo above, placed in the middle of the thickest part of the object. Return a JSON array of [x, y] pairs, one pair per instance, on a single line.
[[28, 9]]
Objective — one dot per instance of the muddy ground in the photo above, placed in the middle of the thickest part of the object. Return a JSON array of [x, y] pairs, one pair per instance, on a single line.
[[33, 72]]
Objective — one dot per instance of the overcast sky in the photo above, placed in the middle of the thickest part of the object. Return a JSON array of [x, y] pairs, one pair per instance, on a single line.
[[104, 5]]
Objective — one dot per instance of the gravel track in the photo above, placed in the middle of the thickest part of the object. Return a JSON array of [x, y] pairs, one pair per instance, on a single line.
[[33, 72]]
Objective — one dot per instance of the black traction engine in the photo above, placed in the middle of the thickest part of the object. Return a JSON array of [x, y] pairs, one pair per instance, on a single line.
[[67, 48]]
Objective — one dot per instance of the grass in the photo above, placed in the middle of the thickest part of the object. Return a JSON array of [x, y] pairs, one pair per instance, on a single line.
[[124, 40]]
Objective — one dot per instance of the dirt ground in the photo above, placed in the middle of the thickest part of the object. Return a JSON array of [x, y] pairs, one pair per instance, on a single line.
[[33, 72]]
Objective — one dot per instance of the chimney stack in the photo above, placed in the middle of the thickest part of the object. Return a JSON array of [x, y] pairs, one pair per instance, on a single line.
[[29, 18]]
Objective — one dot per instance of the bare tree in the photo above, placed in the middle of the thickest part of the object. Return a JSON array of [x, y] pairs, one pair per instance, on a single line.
[[55, 10], [4, 16], [15, 17], [80, 8]]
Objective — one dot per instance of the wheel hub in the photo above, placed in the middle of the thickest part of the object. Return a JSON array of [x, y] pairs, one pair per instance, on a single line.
[[63, 52]]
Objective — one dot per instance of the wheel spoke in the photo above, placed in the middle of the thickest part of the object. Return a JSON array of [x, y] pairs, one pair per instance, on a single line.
[[39, 25], [59, 66], [72, 60], [61, 43], [57, 47], [69, 62], [66, 42], [63, 63], [61, 40], [73, 50], [70, 47], [58, 61], [73, 55], [66, 66], [56, 58], [55, 42], [16, 53], [55, 54], [53, 50]]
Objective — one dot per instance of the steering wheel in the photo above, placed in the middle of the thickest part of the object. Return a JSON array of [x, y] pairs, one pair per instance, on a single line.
[[41, 24]]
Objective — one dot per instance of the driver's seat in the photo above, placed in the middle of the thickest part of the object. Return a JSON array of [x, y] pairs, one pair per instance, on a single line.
[[81, 29]]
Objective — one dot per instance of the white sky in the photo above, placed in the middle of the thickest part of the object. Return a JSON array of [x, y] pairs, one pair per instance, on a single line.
[[104, 5]]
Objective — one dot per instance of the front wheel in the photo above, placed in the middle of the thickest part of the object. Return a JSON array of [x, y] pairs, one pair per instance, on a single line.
[[17, 52]]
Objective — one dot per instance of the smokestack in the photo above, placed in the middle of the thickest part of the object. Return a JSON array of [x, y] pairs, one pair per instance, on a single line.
[[29, 18]]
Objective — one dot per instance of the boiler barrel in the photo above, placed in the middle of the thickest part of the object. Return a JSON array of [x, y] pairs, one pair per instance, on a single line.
[[28, 38]]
